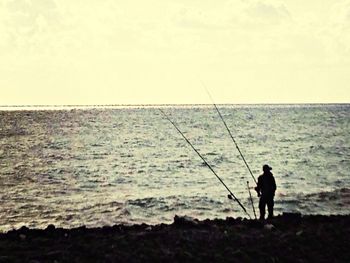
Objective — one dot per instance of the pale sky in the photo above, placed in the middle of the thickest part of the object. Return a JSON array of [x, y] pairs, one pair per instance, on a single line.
[[159, 51]]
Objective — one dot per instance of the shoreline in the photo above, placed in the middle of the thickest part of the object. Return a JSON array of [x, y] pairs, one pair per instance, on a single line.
[[285, 238]]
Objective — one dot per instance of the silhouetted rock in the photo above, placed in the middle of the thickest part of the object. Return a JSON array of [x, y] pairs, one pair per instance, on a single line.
[[23, 230], [185, 220], [291, 216], [285, 238], [50, 228]]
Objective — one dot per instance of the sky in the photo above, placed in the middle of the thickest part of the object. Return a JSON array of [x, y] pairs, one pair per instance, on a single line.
[[161, 51]]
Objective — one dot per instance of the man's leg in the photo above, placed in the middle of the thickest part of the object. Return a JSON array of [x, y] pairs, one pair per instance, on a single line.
[[262, 204], [270, 204]]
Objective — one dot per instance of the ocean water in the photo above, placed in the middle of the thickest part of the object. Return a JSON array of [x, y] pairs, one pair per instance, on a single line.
[[110, 165]]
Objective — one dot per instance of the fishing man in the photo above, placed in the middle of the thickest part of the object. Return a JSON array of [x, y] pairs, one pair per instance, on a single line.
[[266, 188]]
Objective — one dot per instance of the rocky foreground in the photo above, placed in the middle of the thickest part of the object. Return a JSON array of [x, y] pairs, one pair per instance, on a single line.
[[285, 238]]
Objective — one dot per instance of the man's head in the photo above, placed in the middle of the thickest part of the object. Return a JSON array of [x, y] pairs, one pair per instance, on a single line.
[[267, 168]]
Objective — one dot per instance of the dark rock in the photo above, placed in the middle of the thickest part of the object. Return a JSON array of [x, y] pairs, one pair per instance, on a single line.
[[50, 228], [23, 229], [4, 259], [107, 229], [311, 239], [255, 223], [80, 229], [291, 216], [185, 221]]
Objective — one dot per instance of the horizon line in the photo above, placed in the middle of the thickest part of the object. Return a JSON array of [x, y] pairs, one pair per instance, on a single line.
[[168, 104]]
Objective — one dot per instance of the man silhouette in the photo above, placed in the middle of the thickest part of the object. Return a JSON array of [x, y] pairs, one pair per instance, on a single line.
[[266, 190]]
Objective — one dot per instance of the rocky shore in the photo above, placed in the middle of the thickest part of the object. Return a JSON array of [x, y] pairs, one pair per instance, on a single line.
[[285, 238]]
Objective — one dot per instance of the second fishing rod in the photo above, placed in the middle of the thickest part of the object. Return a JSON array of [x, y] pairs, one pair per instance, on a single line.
[[235, 143]]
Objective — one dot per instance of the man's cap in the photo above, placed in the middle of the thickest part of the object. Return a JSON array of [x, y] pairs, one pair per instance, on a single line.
[[266, 167]]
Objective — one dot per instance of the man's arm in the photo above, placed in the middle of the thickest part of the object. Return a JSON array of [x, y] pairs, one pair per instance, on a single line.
[[274, 187], [258, 186]]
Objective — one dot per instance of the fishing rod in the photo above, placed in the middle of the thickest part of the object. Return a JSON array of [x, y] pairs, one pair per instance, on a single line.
[[229, 132], [251, 199], [205, 162], [234, 141]]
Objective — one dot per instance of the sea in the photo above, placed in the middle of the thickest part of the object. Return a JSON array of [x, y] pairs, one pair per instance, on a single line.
[[105, 165]]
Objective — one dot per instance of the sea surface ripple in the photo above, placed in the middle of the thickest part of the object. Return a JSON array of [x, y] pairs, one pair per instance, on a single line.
[[103, 166]]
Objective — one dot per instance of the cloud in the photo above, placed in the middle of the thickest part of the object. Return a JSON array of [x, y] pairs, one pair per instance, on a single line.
[[264, 12], [68, 27], [257, 13], [113, 43], [28, 25], [338, 30], [340, 14]]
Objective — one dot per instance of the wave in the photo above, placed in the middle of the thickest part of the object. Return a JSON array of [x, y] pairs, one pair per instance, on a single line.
[[13, 133], [342, 194], [336, 201]]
